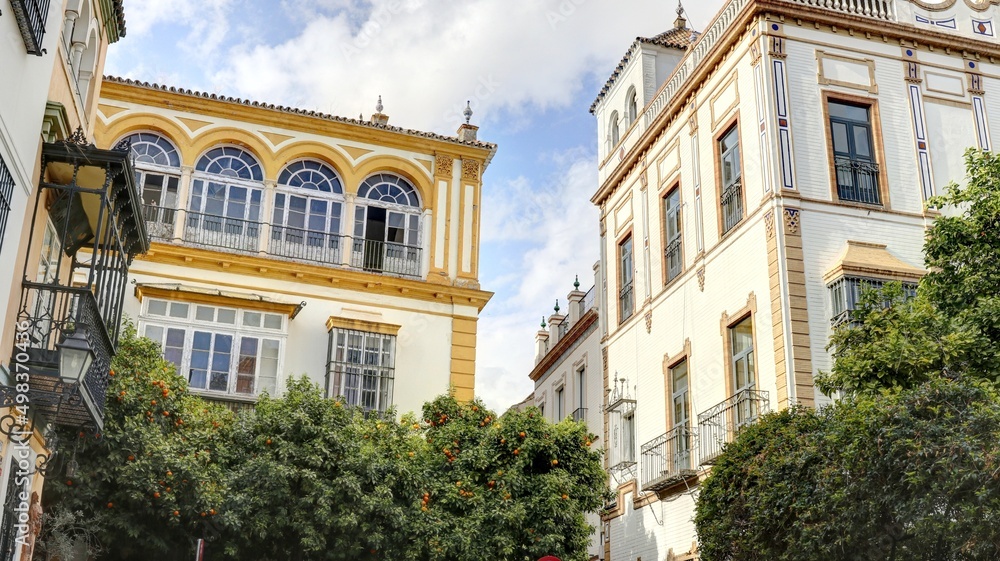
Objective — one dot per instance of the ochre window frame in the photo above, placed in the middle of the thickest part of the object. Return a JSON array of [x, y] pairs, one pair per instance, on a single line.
[[664, 239], [726, 126], [627, 234], [875, 122]]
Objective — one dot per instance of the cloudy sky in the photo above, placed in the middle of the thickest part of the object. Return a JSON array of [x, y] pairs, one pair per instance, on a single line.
[[530, 68]]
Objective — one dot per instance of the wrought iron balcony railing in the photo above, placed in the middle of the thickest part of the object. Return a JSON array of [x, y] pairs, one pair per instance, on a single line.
[[580, 415], [732, 206], [308, 245], [30, 16], [159, 221], [221, 231], [673, 258], [668, 458], [857, 181], [626, 302], [719, 424], [51, 313], [385, 257]]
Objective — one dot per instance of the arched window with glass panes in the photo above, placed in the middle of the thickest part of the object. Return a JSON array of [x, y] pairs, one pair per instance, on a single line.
[[226, 195], [157, 177], [308, 208], [387, 226]]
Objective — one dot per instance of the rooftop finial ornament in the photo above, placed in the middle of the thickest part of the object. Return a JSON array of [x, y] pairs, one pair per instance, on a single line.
[[556, 308], [543, 322], [378, 106], [576, 283], [680, 22], [467, 112]]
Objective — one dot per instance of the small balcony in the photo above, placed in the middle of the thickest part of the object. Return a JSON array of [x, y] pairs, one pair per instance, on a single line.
[[283, 242], [721, 423], [580, 415], [857, 181], [732, 206], [30, 16], [672, 255], [668, 459], [626, 302]]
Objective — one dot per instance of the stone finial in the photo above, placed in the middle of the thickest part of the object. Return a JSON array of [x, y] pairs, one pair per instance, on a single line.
[[576, 283], [543, 322], [467, 112], [379, 118], [680, 22], [378, 106]]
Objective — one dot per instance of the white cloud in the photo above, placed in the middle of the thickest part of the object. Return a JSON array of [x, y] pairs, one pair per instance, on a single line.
[[556, 214], [425, 57]]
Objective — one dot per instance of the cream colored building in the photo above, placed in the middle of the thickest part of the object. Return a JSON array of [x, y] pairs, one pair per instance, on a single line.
[[286, 242], [752, 178]]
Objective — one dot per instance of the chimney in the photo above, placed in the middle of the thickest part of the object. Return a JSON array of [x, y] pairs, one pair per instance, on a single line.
[[541, 343]]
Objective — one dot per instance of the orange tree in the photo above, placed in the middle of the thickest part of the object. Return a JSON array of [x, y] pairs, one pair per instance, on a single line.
[[153, 480], [514, 487]]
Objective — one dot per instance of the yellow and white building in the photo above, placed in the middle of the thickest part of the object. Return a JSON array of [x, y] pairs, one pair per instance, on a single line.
[[752, 178], [287, 242]]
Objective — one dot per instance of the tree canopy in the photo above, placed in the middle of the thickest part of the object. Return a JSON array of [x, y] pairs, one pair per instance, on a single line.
[[306, 477], [907, 465]]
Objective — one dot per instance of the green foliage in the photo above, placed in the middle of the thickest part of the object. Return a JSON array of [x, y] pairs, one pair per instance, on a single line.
[[305, 477], [144, 483], [510, 488], [910, 475]]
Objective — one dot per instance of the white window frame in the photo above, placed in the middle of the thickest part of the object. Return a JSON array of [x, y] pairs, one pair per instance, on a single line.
[[238, 331]]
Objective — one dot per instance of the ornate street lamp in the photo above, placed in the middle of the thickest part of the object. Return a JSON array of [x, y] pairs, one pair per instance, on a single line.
[[75, 357]]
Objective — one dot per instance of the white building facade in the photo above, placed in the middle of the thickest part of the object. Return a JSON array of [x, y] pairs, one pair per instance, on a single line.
[[567, 372], [752, 178]]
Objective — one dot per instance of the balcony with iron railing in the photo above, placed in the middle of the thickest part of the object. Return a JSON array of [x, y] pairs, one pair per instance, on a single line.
[[580, 414], [283, 242], [857, 181], [732, 206], [626, 302], [30, 16], [50, 313], [720, 424], [672, 255], [668, 459]]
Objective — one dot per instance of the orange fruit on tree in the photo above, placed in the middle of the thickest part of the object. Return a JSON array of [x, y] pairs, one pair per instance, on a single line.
[[111, 505], [156, 495]]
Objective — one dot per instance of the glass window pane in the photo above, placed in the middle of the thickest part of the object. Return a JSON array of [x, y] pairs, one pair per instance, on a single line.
[[861, 145], [204, 313], [155, 333], [272, 321], [157, 308], [227, 316], [742, 337], [178, 310], [251, 319], [840, 142]]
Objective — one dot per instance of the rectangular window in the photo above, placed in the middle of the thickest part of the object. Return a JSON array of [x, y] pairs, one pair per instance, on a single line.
[[581, 388], [681, 415], [159, 202], [854, 161], [743, 370], [626, 271], [845, 293], [560, 404], [731, 196], [224, 215], [361, 368], [672, 256], [628, 438], [207, 349], [6, 197]]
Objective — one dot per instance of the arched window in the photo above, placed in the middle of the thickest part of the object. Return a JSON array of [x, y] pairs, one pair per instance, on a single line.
[[387, 226], [308, 209], [226, 198], [614, 129], [633, 106], [157, 177]]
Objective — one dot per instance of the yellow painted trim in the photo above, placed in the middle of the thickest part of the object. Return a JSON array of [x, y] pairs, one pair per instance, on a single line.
[[193, 124], [120, 127], [463, 358], [354, 152], [361, 325], [213, 299], [323, 152], [256, 266], [275, 138], [263, 116], [407, 169]]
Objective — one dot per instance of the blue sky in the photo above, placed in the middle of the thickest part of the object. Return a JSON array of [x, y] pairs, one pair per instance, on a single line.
[[530, 68]]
